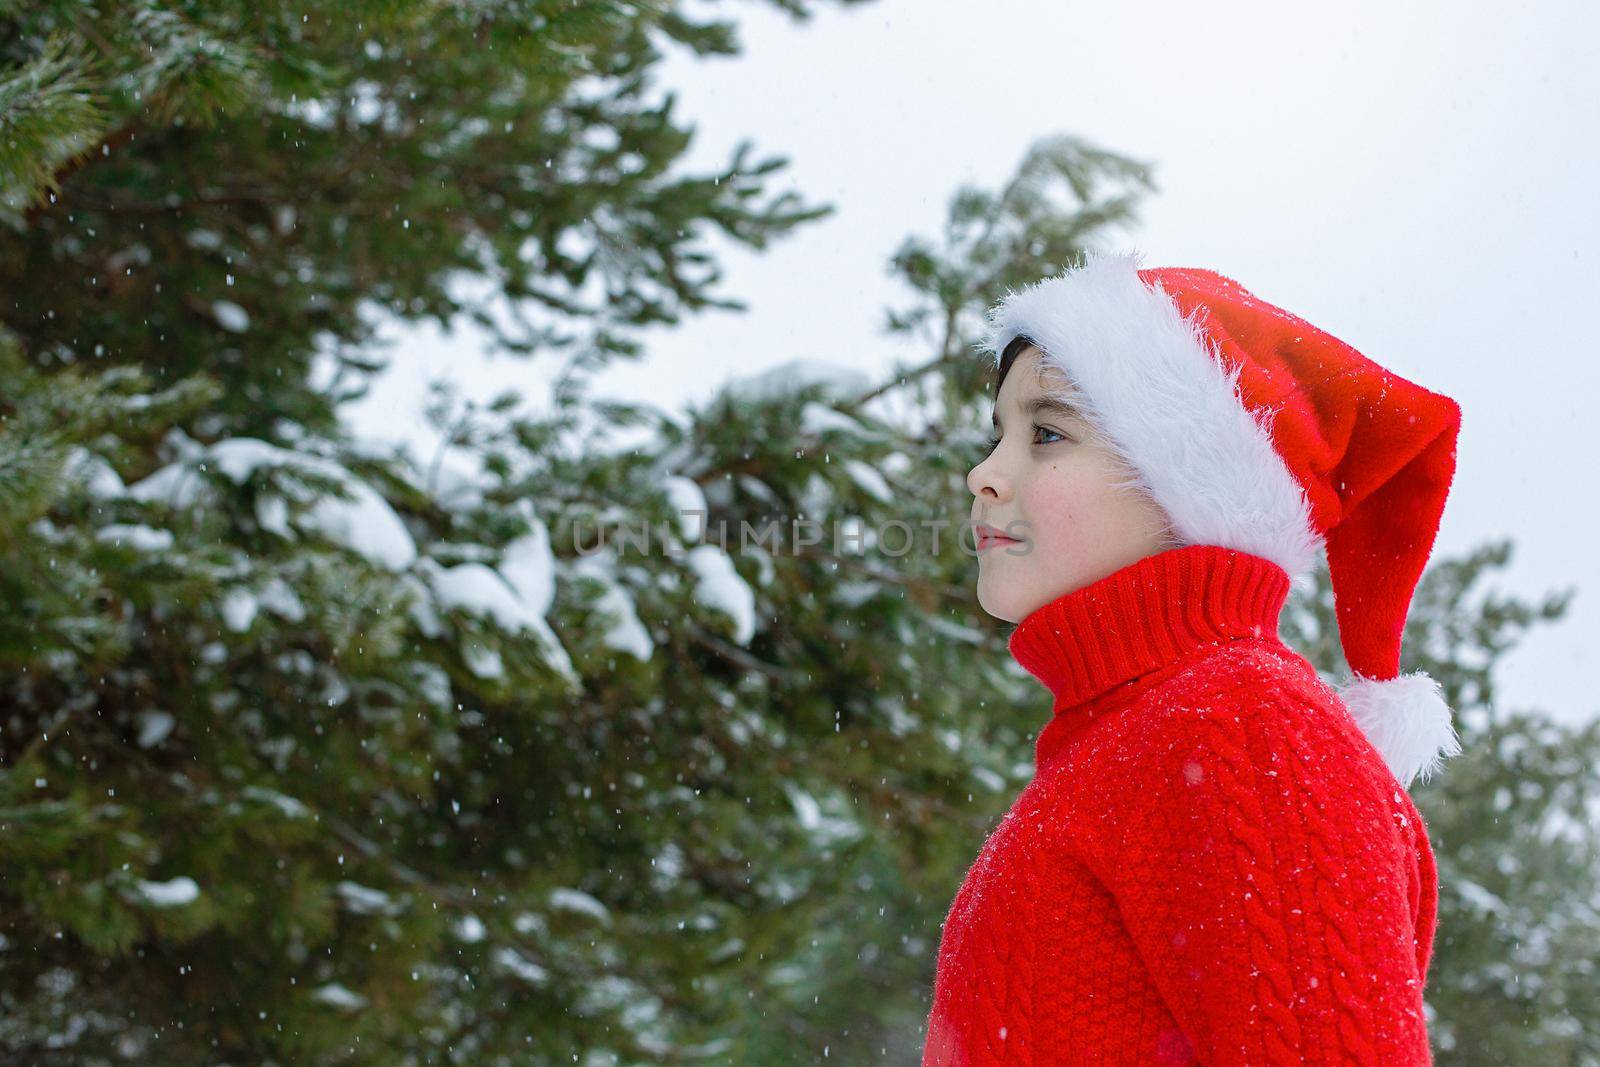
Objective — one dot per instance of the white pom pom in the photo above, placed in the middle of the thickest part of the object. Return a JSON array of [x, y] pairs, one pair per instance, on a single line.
[[1407, 721]]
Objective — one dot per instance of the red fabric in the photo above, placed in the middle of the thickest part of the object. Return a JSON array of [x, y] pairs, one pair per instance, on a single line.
[[1211, 864], [1374, 452]]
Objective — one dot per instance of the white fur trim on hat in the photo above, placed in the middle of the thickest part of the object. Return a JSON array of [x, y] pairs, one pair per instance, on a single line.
[[1407, 721], [1153, 385]]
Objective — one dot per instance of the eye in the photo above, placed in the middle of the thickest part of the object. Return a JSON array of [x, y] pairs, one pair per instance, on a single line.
[[1037, 429], [992, 443]]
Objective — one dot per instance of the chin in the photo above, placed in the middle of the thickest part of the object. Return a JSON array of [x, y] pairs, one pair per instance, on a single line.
[[1006, 600]]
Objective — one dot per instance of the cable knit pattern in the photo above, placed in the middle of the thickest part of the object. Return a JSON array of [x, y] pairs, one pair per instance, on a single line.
[[1212, 864]]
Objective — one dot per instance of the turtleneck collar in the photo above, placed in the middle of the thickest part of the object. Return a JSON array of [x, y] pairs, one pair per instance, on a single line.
[[1151, 613]]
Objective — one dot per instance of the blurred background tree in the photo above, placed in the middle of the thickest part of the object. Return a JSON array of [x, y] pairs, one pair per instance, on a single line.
[[313, 753], [1514, 821]]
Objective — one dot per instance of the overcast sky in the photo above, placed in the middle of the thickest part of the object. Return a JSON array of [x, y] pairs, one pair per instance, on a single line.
[[1417, 180]]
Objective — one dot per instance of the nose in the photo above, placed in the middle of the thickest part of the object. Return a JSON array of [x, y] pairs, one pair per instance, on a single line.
[[986, 482]]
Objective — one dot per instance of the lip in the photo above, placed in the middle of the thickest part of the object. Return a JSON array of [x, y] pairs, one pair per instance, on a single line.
[[989, 537]]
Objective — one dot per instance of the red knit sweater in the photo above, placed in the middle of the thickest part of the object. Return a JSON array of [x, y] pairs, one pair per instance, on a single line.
[[1211, 864]]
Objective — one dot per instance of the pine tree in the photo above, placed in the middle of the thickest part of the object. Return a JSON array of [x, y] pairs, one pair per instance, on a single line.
[[1512, 821], [303, 759], [1516, 823]]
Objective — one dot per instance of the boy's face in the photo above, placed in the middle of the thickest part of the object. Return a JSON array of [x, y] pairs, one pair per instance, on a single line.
[[1054, 483]]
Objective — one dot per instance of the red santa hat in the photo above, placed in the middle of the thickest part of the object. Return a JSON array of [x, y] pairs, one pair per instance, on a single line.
[[1257, 431]]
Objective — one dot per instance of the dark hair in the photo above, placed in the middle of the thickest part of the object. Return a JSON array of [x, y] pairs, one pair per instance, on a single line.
[[1009, 356]]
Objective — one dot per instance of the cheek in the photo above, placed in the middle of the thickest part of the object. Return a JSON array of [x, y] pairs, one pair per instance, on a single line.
[[1082, 522], [1069, 502]]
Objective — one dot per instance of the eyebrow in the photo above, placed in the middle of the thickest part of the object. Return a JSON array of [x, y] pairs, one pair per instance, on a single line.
[[1043, 405]]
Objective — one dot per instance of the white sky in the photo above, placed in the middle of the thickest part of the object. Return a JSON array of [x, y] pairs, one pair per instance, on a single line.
[[1418, 182]]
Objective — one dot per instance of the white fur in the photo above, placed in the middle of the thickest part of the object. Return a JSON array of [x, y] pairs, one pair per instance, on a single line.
[[1157, 389], [1407, 721]]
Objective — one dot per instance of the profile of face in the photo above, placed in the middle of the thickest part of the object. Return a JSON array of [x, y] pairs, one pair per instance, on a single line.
[[1055, 485]]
